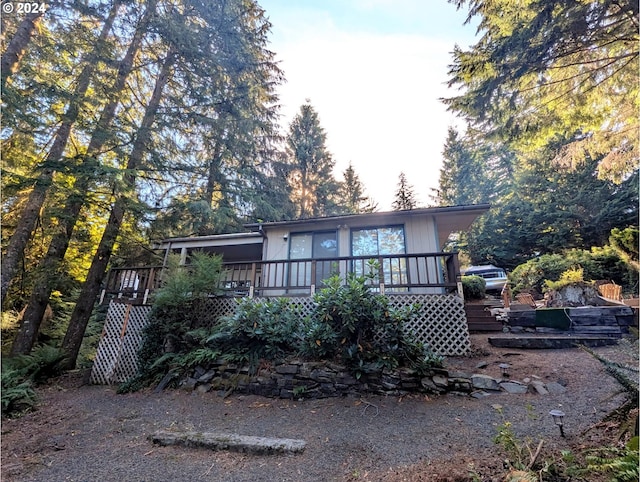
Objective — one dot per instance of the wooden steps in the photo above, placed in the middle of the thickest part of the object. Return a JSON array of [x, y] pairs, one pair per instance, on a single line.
[[479, 317]]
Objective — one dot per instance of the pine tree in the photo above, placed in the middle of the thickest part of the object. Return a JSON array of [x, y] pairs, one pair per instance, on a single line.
[[404, 196], [351, 194], [32, 208], [549, 68], [310, 165], [49, 265], [214, 89]]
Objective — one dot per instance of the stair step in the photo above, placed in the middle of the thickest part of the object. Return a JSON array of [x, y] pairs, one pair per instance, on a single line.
[[553, 342]]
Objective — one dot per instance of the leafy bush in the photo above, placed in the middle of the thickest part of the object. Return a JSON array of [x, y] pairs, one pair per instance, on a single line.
[[17, 394], [596, 264], [622, 465], [360, 328], [474, 287], [170, 333], [569, 277], [259, 329]]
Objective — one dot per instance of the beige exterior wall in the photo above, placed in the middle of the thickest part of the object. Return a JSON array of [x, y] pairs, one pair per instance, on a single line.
[[420, 237]]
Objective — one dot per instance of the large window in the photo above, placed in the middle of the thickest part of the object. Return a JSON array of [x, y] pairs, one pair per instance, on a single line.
[[317, 246], [380, 242]]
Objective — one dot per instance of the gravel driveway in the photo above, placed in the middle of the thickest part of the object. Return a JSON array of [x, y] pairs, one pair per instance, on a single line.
[[89, 433]]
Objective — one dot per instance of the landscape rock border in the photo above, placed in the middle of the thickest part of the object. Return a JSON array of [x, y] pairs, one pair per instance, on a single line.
[[298, 379]]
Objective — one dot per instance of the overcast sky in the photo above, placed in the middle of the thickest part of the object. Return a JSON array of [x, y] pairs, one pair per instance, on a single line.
[[373, 70]]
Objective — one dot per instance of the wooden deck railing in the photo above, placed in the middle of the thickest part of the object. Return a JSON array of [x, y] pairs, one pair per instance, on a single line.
[[402, 273]]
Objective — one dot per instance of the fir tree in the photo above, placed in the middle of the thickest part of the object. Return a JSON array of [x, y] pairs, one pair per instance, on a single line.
[[404, 196], [313, 188]]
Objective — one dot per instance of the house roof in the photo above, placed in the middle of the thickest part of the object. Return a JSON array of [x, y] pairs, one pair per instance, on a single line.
[[448, 219]]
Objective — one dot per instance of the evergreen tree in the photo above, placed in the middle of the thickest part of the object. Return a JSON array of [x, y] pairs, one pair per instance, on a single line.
[[215, 87], [47, 169], [50, 263], [404, 196], [313, 188], [351, 194], [548, 68], [473, 173]]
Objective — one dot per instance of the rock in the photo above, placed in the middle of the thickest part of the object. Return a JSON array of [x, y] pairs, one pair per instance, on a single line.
[[441, 381], [189, 384], [207, 376], [204, 388], [229, 441], [555, 388], [484, 382], [428, 385], [539, 387], [482, 365], [287, 369], [514, 387], [480, 394]]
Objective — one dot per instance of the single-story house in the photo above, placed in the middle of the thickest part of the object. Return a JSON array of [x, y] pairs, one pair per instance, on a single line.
[[400, 250]]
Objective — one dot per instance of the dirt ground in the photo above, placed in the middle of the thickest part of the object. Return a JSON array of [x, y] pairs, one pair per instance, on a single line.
[[90, 433]]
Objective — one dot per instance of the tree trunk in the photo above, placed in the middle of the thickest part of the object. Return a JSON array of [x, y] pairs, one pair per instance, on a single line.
[[18, 46], [91, 288], [31, 212], [49, 265]]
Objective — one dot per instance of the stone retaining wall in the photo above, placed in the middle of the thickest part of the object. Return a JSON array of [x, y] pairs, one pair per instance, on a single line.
[[301, 379]]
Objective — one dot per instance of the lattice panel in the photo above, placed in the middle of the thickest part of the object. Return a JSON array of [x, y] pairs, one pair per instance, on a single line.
[[117, 355], [441, 324]]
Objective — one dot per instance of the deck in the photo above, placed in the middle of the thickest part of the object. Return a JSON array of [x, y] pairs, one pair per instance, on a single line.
[[425, 273]]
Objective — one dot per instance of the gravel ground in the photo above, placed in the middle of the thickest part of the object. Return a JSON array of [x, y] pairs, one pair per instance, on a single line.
[[89, 433]]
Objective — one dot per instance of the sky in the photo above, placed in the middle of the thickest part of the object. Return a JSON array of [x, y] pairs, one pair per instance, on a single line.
[[374, 71]]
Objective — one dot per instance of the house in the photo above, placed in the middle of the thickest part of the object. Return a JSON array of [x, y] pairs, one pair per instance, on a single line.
[[400, 251], [291, 258]]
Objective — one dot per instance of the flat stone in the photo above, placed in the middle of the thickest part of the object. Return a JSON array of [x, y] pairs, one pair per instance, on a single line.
[[441, 381], [555, 388], [287, 369], [229, 441], [480, 394], [484, 382], [539, 387], [482, 365], [428, 384], [514, 387]]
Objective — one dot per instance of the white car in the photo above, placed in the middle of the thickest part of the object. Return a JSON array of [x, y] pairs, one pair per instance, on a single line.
[[495, 278]]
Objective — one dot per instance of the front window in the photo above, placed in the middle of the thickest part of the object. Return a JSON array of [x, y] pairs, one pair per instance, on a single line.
[[381, 242], [317, 246]]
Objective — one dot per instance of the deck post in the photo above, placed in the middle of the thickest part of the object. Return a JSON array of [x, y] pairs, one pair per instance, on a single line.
[[381, 274]]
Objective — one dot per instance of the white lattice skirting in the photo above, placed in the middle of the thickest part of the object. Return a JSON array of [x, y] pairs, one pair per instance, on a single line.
[[441, 325]]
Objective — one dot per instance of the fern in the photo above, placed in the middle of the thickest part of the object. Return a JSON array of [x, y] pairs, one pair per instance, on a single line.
[[17, 394], [621, 464]]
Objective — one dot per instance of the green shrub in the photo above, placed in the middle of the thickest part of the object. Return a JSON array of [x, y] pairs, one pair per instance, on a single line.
[[474, 287], [17, 394], [259, 329], [170, 333], [597, 264], [622, 465], [361, 329], [569, 277]]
